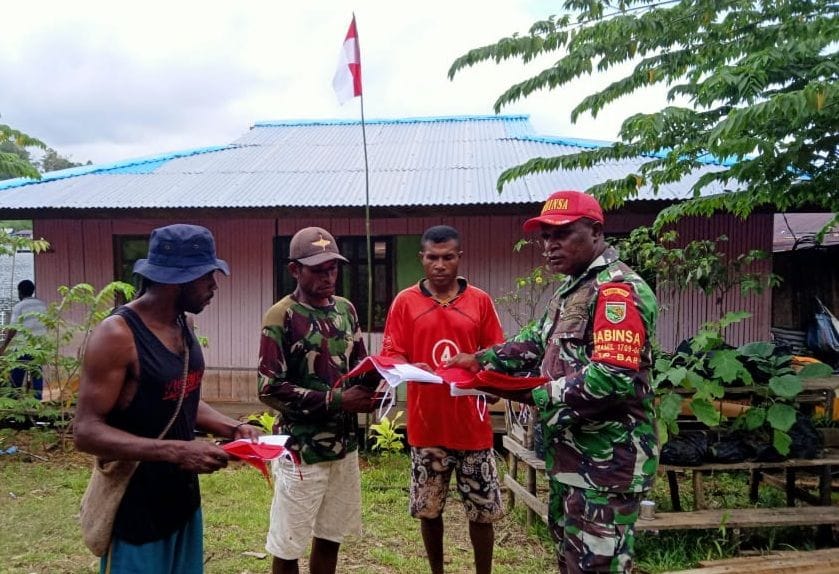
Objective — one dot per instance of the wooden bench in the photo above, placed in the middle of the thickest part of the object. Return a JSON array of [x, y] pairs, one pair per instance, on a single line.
[[810, 561], [823, 513], [821, 466], [527, 493], [741, 518]]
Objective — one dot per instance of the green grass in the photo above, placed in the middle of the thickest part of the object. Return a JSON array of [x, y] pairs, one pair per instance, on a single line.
[[39, 504]]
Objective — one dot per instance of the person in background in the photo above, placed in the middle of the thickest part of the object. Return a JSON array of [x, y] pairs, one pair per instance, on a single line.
[[595, 344], [131, 385], [309, 339], [428, 324], [23, 313]]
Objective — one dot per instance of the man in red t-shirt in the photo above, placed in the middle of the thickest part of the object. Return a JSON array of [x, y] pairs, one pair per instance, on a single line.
[[427, 325]]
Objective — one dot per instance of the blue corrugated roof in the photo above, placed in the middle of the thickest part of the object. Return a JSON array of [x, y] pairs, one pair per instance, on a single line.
[[137, 165], [432, 161]]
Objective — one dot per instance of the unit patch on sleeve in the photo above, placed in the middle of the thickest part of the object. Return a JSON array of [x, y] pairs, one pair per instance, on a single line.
[[619, 333]]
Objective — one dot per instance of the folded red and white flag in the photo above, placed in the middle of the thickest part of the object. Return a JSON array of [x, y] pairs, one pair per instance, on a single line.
[[394, 373], [269, 447]]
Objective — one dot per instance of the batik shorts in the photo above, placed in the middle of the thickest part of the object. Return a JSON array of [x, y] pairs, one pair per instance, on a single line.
[[477, 483], [593, 531]]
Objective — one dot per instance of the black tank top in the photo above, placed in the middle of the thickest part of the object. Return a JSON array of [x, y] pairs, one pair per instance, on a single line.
[[160, 497]]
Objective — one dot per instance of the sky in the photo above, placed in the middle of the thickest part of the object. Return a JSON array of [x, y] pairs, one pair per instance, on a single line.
[[110, 81]]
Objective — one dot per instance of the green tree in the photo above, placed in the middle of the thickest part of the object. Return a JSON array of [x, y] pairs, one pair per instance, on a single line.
[[12, 149], [14, 157], [759, 78], [53, 161]]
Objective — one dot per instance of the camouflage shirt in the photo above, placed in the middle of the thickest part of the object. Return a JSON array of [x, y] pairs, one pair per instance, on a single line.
[[594, 342], [303, 351]]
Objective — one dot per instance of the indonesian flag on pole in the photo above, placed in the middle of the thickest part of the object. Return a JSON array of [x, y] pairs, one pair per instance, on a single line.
[[347, 80]]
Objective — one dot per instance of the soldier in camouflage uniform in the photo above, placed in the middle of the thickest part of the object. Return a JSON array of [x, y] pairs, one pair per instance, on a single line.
[[594, 343], [309, 339]]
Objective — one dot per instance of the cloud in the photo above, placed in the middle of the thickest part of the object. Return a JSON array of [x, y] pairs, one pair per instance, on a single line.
[[106, 81]]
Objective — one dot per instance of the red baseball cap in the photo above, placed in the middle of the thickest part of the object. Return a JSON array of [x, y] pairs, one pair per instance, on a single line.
[[564, 207]]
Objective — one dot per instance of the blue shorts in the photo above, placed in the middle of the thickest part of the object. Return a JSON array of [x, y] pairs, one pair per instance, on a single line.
[[182, 552]]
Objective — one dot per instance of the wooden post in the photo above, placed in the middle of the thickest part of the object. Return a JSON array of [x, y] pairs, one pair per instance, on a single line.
[[513, 465], [698, 491], [754, 486], [673, 483], [531, 472], [824, 533], [790, 475]]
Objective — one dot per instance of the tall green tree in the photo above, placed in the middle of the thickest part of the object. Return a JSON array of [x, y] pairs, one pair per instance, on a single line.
[[760, 82], [13, 163], [53, 161], [12, 148]]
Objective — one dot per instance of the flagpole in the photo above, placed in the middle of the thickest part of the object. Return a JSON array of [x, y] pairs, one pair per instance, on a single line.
[[367, 231]]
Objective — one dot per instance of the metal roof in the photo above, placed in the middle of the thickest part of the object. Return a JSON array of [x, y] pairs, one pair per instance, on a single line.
[[439, 161], [795, 231]]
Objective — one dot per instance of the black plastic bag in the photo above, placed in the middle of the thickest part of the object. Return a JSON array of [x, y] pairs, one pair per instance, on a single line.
[[685, 449], [765, 452], [807, 441], [732, 447], [823, 334]]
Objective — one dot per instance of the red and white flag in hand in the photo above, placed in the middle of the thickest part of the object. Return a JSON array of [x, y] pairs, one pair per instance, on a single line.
[[347, 80]]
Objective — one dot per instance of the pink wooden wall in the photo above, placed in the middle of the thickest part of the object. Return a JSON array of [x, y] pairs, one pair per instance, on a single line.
[[82, 250]]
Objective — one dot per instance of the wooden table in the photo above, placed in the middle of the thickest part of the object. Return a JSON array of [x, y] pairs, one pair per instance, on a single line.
[[821, 466], [822, 513]]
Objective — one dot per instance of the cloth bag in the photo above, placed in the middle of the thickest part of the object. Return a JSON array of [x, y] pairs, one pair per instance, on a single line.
[[107, 486], [823, 334]]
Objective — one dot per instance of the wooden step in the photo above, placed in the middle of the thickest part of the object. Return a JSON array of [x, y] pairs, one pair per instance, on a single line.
[[742, 518], [810, 562], [803, 555]]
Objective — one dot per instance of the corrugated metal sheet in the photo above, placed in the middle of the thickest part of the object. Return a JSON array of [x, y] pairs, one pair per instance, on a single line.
[[413, 162], [800, 231], [683, 311]]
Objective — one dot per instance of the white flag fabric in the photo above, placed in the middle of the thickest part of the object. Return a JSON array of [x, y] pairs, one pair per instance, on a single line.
[[347, 79]]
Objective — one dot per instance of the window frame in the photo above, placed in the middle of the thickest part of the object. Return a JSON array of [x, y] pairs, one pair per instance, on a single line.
[[354, 248]]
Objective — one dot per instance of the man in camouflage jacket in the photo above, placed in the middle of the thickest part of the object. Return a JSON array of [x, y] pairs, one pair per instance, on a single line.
[[309, 339], [594, 343]]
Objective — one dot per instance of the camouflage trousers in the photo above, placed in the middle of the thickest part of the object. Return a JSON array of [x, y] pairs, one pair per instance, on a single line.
[[593, 531]]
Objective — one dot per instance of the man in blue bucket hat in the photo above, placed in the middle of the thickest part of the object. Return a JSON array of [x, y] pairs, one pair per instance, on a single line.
[[142, 372]]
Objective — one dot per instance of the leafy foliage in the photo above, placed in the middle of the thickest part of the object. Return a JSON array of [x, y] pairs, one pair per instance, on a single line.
[[386, 434], [265, 421], [69, 323], [525, 301], [12, 162], [699, 264], [53, 161], [759, 79], [699, 375]]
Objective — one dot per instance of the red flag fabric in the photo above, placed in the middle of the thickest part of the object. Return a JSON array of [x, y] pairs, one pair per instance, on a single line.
[[347, 79], [255, 454], [489, 380]]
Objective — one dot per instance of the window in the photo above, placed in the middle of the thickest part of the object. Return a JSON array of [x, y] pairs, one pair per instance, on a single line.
[[127, 250], [395, 266], [352, 279]]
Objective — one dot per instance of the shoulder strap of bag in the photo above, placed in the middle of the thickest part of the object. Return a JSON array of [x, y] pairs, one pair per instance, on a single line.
[[184, 377]]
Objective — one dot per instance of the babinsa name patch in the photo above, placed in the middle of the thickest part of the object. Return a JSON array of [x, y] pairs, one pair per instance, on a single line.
[[619, 333]]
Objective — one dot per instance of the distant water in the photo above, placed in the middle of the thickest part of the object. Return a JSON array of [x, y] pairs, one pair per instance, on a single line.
[[13, 270]]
